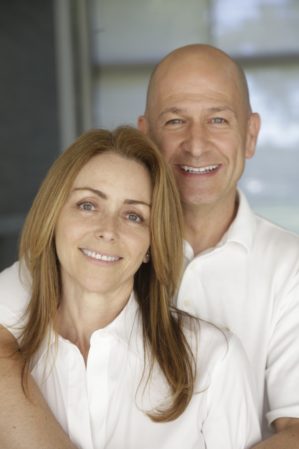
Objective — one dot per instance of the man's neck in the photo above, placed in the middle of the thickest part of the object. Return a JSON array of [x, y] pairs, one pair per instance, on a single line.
[[206, 224]]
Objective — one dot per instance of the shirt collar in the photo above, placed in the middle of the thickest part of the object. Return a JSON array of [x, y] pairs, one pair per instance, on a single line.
[[122, 327], [123, 324], [241, 230]]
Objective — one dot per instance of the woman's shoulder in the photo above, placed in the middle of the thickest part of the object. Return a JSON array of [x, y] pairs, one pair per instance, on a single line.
[[213, 347], [14, 296], [205, 334]]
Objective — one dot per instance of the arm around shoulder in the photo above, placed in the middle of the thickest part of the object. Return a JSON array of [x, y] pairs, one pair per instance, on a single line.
[[25, 422], [287, 435]]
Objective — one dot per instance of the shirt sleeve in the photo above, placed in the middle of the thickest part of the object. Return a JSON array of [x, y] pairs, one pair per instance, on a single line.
[[282, 371], [232, 418], [14, 297]]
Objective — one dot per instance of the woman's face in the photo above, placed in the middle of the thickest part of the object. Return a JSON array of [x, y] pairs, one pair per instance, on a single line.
[[102, 234]]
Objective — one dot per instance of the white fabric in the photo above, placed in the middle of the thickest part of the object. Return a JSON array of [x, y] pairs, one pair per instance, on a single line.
[[249, 283], [101, 406]]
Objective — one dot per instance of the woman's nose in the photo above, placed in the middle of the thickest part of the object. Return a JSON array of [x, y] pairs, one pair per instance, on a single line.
[[107, 228]]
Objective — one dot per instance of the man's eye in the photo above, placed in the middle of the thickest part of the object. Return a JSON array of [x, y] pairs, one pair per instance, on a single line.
[[174, 121], [86, 206], [218, 120]]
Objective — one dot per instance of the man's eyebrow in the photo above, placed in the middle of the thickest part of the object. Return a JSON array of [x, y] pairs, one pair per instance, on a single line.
[[221, 109], [172, 109], [103, 195], [212, 109]]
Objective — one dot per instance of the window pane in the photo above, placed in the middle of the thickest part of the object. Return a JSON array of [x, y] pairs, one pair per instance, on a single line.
[[119, 95], [130, 36], [136, 30], [256, 26], [271, 179]]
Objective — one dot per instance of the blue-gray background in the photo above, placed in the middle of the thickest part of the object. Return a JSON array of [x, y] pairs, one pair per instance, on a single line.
[[68, 65]]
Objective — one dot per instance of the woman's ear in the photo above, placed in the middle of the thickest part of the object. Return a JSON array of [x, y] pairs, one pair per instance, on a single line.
[[147, 257]]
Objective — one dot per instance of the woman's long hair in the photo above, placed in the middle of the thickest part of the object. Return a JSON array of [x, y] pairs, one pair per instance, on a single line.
[[155, 283]]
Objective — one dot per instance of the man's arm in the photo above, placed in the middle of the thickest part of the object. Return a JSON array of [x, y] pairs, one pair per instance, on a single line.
[[24, 423], [287, 436]]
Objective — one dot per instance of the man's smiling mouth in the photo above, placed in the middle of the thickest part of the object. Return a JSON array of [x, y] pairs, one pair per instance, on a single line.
[[199, 170]]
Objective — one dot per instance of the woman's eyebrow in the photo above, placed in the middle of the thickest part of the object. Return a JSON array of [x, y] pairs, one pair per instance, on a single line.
[[95, 191], [103, 195], [128, 201]]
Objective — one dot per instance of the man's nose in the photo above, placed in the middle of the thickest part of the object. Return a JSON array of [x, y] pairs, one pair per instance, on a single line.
[[196, 140]]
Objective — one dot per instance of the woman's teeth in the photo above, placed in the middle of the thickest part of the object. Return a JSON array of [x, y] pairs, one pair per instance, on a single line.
[[98, 256]]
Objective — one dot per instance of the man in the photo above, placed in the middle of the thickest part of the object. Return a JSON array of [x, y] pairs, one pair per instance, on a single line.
[[241, 271]]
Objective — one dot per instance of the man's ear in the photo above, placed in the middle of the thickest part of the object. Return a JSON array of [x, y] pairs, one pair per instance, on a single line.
[[142, 124], [254, 125]]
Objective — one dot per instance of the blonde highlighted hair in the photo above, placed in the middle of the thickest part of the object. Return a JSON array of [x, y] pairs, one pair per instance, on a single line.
[[155, 283]]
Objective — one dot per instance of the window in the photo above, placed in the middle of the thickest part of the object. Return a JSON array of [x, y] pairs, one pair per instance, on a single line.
[[129, 38]]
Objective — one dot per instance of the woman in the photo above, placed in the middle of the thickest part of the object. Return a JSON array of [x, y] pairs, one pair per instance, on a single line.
[[120, 367]]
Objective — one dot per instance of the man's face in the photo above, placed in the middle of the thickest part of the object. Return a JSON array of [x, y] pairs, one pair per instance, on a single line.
[[200, 122]]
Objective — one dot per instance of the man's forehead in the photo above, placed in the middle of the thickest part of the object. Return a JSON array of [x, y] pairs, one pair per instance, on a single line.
[[194, 71], [181, 79], [176, 90]]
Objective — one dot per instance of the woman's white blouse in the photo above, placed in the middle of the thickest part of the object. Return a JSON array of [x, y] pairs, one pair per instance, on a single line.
[[102, 404]]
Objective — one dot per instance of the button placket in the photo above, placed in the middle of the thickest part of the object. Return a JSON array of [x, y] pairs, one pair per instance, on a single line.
[[97, 377]]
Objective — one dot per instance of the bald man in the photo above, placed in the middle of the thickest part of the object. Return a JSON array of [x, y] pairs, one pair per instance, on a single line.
[[242, 271]]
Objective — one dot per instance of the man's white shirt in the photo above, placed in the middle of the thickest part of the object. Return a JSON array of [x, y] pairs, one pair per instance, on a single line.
[[249, 283]]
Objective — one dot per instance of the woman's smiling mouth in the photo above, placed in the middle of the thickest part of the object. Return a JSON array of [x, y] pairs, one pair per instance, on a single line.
[[98, 256]]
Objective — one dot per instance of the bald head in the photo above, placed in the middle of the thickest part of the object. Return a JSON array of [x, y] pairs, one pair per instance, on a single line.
[[198, 113], [197, 61]]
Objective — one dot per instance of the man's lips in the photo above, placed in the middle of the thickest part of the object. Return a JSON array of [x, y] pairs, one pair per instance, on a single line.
[[199, 170], [98, 256]]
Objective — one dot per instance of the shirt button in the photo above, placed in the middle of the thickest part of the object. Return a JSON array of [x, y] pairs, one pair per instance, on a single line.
[[187, 303]]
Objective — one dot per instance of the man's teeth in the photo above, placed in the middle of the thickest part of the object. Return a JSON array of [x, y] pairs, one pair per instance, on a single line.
[[207, 169], [98, 256]]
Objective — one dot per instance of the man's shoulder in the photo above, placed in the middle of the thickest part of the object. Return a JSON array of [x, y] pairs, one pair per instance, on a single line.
[[14, 286], [275, 235], [209, 341], [9, 274], [14, 296], [275, 252], [264, 231], [216, 347]]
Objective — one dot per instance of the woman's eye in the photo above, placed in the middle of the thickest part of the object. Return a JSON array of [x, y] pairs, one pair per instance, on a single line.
[[86, 206], [134, 218]]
